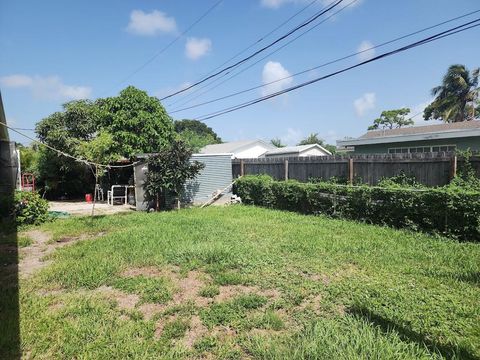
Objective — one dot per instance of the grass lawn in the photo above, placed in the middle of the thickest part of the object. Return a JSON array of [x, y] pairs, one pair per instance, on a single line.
[[245, 282]]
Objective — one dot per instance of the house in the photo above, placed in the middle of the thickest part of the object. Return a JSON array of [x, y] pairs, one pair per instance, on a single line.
[[428, 138], [298, 151], [249, 149], [9, 164]]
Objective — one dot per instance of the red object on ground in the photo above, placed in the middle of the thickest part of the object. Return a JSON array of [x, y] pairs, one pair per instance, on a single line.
[[88, 198], [28, 182]]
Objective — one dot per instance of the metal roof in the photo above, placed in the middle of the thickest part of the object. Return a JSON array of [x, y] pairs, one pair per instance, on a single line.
[[233, 146], [415, 133], [295, 149]]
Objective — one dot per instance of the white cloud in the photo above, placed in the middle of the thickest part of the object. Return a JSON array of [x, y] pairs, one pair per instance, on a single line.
[[273, 71], [48, 88], [16, 81], [196, 48], [275, 4], [366, 53], [150, 24], [364, 103], [292, 137]]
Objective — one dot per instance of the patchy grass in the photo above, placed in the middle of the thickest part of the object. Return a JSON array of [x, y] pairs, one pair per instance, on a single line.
[[250, 282]]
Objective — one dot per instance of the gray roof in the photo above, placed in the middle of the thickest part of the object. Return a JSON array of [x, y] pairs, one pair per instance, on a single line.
[[294, 149], [231, 147], [417, 133], [425, 129]]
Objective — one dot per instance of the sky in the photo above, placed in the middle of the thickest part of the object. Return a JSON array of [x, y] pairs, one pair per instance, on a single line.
[[56, 51]]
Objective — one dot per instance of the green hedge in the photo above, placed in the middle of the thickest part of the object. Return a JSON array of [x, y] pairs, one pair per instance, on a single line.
[[449, 211]]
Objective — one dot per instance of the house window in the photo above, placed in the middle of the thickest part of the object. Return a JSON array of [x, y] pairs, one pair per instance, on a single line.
[[422, 149]]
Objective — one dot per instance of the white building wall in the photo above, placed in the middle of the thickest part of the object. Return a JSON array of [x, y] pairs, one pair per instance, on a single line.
[[252, 152], [312, 152]]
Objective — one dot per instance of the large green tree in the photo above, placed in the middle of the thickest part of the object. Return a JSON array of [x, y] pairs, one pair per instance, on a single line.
[[455, 98], [196, 133], [138, 122], [101, 131], [391, 119]]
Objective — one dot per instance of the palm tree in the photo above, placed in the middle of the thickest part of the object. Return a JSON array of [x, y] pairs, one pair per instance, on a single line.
[[454, 99]]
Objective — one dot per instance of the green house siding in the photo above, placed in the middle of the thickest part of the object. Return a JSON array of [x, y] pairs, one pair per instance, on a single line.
[[461, 143]]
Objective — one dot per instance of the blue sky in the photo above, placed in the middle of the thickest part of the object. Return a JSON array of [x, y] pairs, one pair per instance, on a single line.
[[55, 51]]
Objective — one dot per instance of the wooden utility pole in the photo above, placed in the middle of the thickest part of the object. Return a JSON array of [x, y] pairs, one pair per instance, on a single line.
[[242, 167], [286, 169]]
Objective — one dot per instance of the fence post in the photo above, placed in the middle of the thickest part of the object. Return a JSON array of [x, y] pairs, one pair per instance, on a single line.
[[453, 167], [242, 168], [286, 169], [350, 171]]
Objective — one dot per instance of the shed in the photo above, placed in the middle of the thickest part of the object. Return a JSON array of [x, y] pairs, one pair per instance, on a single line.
[[215, 176]]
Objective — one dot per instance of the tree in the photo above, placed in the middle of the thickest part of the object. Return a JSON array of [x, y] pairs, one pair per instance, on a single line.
[[107, 129], [311, 139], [314, 139], [168, 170], [66, 130], [196, 133], [455, 97], [391, 119], [138, 122], [277, 142]]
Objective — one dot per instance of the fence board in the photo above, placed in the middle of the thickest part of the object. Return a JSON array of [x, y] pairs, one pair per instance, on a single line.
[[432, 169]]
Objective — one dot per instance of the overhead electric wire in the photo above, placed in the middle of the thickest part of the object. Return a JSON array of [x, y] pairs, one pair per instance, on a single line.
[[266, 56], [438, 36], [325, 64], [166, 47], [63, 153], [298, 27], [262, 38]]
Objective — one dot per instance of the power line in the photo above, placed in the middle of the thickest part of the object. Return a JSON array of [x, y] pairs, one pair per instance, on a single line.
[[322, 65], [268, 55], [298, 27], [60, 152], [443, 34], [166, 47], [254, 43]]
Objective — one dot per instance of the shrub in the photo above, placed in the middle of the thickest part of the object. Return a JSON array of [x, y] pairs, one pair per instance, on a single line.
[[451, 211], [29, 208]]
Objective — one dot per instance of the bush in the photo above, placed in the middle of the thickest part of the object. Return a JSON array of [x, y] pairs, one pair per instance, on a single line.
[[29, 208], [450, 211]]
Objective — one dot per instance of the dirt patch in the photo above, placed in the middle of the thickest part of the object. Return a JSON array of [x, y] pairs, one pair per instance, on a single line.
[[196, 331], [147, 271], [149, 310], [188, 289], [312, 302], [32, 257], [228, 292], [124, 301]]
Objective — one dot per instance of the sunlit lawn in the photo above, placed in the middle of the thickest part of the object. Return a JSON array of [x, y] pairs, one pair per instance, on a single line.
[[245, 282]]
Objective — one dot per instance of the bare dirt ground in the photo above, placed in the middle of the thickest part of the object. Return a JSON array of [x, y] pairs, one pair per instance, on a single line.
[[32, 257], [82, 208]]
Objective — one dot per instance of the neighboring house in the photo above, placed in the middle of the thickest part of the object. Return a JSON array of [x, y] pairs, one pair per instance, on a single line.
[[9, 164], [298, 151], [249, 149], [428, 138]]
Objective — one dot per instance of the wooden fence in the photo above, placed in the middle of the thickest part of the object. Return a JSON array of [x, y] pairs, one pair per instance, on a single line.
[[432, 169]]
